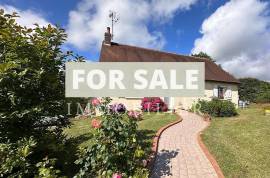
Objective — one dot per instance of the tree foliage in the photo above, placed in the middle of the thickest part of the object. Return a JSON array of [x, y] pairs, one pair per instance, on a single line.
[[32, 100], [15, 161], [203, 55], [31, 78], [254, 90]]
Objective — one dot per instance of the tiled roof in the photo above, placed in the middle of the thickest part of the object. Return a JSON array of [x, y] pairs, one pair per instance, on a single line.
[[125, 53]]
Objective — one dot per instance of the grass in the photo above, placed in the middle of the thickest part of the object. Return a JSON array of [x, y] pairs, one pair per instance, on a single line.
[[149, 126], [241, 145], [82, 133]]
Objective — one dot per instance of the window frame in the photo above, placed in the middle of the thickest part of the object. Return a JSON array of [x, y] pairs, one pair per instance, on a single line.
[[223, 89]]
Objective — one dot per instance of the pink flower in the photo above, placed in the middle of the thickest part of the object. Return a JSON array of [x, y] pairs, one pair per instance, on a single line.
[[96, 123], [95, 102], [116, 175], [134, 114]]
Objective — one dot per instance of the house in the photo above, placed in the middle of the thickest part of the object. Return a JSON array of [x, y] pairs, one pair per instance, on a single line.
[[218, 83]]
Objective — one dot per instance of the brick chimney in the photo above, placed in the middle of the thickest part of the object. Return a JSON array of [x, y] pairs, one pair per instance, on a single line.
[[107, 37]]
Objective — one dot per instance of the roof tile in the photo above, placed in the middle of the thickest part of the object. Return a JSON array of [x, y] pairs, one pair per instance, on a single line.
[[125, 53]]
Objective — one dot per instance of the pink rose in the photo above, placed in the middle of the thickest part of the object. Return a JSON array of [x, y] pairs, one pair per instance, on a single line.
[[96, 123], [134, 114], [130, 113], [116, 175], [95, 102]]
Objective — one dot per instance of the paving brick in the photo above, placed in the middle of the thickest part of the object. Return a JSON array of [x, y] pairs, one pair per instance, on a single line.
[[179, 154]]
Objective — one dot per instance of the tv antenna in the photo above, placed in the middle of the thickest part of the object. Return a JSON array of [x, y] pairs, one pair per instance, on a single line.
[[114, 18]]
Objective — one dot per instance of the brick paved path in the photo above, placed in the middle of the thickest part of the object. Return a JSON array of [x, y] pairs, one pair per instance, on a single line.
[[179, 153]]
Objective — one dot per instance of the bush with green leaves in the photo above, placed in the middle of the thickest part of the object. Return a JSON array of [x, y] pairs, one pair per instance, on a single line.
[[15, 161], [14, 158], [46, 169], [217, 108], [32, 100], [31, 79], [116, 148]]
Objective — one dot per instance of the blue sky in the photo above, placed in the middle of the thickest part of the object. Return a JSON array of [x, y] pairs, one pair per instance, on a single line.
[[180, 32], [234, 32]]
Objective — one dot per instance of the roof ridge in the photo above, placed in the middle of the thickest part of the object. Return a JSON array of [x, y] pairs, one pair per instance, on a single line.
[[160, 51]]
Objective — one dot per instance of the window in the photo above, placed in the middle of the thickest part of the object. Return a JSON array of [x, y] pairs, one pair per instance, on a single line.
[[221, 92]]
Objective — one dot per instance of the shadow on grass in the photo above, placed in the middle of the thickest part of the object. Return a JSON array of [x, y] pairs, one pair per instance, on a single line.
[[162, 163], [81, 139], [145, 139], [68, 156]]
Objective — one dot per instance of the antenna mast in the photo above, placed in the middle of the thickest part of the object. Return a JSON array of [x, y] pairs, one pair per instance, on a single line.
[[114, 18]]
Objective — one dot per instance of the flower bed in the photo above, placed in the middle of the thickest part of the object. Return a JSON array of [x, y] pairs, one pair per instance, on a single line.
[[153, 104]]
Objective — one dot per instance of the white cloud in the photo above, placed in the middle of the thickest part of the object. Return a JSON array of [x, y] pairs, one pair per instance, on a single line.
[[237, 35], [27, 17], [87, 23], [166, 9]]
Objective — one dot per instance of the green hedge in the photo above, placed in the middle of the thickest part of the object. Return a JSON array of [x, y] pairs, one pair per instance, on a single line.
[[217, 108]]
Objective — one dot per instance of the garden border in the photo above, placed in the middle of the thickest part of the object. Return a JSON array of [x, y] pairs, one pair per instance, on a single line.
[[208, 155], [152, 157]]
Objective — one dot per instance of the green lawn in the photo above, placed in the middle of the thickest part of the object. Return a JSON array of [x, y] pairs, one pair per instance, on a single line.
[[241, 145], [82, 133]]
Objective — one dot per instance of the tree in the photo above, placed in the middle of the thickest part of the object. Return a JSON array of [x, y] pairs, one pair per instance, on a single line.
[[32, 100], [203, 55], [31, 79], [254, 90]]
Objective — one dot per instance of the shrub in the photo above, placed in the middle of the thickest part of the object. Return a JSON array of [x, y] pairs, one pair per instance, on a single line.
[[14, 158], [46, 169], [32, 97], [217, 108], [32, 79], [15, 161], [116, 149], [153, 104], [135, 115]]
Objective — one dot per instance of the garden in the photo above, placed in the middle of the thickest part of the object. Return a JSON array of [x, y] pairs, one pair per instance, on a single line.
[[139, 127], [40, 137]]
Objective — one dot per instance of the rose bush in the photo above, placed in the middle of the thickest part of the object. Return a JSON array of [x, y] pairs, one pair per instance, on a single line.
[[117, 108], [116, 175], [116, 151], [135, 115], [153, 104], [95, 102], [96, 123]]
